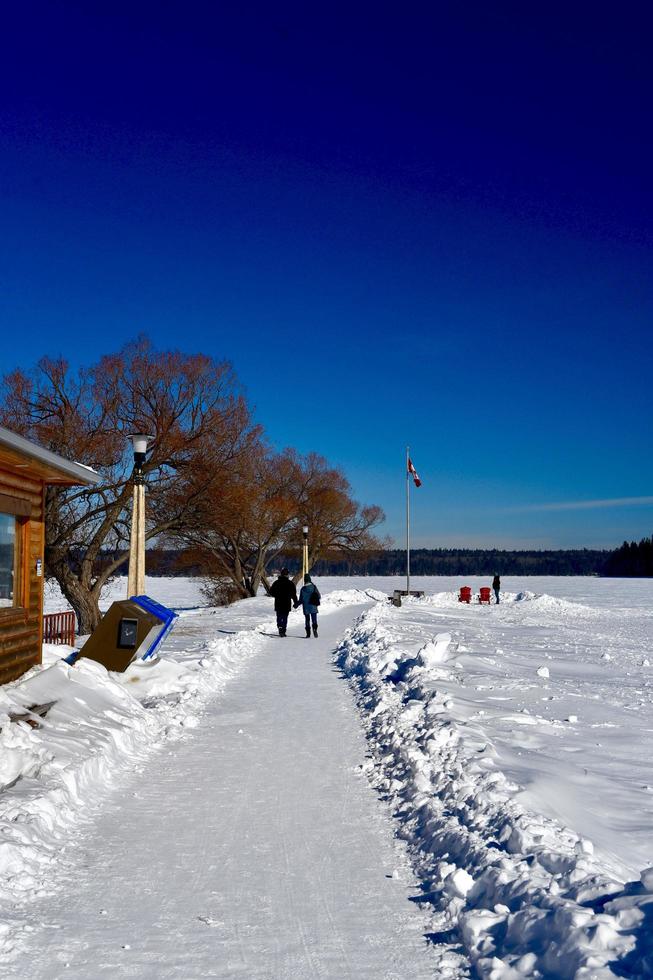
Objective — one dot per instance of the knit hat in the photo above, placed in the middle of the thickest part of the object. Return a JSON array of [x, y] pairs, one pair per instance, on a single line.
[[307, 579]]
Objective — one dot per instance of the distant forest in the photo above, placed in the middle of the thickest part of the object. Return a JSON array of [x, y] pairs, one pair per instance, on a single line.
[[465, 561], [631, 560], [634, 560]]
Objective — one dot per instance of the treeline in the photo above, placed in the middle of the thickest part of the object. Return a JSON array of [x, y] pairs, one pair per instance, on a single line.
[[630, 560], [634, 560], [423, 561], [467, 561]]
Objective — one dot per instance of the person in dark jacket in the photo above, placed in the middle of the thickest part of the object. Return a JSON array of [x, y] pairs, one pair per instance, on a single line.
[[285, 594], [307, 596], [496, 585]]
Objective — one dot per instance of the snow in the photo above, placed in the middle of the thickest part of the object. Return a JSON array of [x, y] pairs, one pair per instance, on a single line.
[[548, 810], [250, 844], [512, 745], [101, 726]]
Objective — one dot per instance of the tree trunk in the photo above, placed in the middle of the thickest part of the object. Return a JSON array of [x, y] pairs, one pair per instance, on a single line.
[[84, 603]]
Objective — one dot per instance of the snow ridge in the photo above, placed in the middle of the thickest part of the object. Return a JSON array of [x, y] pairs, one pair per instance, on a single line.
[[525, 895]]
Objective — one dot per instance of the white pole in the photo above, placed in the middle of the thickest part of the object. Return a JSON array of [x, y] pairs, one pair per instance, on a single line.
[[407, 521], [136, 576]]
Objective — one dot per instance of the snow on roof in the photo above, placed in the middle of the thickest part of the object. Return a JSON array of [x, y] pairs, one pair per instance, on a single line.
[[76, 472]]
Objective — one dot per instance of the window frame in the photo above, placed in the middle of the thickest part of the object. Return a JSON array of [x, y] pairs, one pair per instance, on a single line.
[[19, 509]]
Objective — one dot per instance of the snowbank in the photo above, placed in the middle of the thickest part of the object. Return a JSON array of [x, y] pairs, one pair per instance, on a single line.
[[527, 896], [351, 597], [54, 776]]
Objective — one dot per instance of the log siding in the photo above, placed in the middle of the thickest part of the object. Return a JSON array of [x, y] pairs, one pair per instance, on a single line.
[[21, 625]]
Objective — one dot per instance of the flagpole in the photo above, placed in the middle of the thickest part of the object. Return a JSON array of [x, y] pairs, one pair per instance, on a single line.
[[407, 521]]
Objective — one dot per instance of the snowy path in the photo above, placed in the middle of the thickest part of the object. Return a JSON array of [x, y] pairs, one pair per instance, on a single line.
[[254, 847]]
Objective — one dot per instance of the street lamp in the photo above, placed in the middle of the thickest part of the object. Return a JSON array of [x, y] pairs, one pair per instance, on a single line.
[[305, 551], [136, 576]]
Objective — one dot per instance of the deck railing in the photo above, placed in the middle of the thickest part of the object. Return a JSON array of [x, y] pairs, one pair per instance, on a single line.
[[59, 628]]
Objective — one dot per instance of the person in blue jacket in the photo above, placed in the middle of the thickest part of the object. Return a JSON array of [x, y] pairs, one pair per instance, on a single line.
[[309, 597]]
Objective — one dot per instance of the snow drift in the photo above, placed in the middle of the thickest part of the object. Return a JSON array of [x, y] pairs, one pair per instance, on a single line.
[[54, 776], [526, 895]]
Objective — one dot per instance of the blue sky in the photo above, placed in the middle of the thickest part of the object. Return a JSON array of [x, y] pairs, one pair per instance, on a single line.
[[401, 225]]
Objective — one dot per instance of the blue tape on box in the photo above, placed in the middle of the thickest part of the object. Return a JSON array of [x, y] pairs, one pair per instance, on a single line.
[[167, 617]]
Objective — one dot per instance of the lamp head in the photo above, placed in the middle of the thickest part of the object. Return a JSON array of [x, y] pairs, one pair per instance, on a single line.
[[139, 442], [305, 530]]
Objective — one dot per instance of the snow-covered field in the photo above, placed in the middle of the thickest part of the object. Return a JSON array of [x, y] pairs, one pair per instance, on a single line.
[[513, 743]]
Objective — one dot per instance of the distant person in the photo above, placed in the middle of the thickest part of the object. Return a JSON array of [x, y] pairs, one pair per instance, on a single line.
[[496, 585], [309, 597], [285, 595]]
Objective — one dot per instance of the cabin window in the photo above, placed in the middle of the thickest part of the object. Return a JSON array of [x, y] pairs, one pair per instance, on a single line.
[[8, 560]]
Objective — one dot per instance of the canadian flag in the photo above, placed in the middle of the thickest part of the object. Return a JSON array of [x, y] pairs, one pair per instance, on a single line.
[[413, 473]]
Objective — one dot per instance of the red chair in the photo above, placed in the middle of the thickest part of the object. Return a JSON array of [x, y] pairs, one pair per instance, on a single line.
[[465, 594], [484, 594]]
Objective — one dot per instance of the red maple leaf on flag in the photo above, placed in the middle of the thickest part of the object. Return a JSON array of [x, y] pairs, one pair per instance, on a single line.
[[413, 473]]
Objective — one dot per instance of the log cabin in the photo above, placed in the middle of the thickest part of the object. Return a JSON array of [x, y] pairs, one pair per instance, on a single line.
[[25, 471]]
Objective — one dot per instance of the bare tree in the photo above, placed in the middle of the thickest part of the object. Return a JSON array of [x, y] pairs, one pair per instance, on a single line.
[[241, 522], [244, 524], [198, 420], [338, 524]]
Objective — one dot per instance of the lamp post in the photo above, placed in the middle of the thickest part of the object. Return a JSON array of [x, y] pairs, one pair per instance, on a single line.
[[136, 577], [305, 551]]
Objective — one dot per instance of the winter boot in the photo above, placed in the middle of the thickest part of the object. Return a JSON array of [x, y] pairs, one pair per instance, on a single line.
[[280, 631], [308, 632], [315, 631]]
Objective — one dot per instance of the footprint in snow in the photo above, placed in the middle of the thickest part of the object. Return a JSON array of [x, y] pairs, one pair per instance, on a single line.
[[209, 921]]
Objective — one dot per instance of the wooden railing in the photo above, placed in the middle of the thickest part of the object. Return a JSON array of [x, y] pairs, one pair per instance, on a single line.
[[59, 628]]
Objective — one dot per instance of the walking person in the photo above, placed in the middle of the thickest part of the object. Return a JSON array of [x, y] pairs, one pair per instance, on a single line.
[[309, 597], [285, 595], [496, 585]]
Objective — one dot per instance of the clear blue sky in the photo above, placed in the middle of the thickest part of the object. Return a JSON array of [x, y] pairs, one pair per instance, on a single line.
[[402, 223]]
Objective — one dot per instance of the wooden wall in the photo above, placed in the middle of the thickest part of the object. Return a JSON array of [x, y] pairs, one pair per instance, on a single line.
[[21, 627]]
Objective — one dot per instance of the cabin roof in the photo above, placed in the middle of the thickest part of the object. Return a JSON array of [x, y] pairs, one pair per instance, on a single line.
[[16, 452]]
